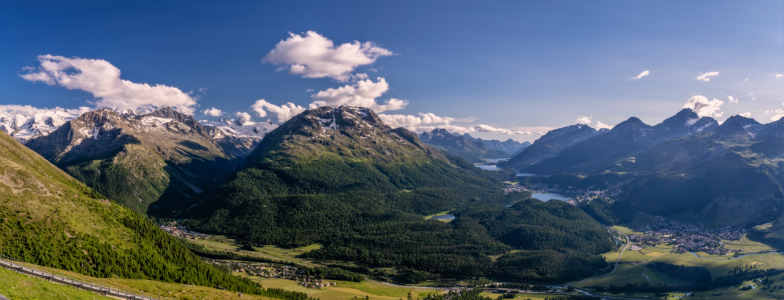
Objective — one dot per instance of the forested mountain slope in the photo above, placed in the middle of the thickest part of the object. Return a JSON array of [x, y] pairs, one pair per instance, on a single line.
[[549, 145], [625, 139], [460, 146], [343, 178], [152, 163], [51, 219]]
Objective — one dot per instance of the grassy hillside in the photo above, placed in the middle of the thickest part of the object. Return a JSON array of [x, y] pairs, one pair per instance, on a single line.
[[50, 219]]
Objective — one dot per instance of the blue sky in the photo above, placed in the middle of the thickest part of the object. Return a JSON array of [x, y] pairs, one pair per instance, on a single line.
[[515, 66]]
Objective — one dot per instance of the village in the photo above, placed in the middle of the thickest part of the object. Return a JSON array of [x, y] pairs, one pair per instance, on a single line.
[[577, 195], [181, 231], [685, 237], [274, 271]]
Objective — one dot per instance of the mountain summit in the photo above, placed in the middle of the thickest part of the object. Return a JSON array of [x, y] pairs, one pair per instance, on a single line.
[[136, 160]]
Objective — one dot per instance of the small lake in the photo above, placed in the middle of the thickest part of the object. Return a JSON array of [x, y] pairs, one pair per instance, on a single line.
[[495, 160], [488, 167], [444, 217], [525, 174], [550, 196]]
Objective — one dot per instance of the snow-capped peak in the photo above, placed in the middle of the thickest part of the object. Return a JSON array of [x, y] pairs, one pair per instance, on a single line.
[[24, 122]]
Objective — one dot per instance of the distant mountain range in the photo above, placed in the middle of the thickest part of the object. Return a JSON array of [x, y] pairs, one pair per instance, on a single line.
[[470, 148], [686, 167], [154, 161], [628, 137], [24, 127]]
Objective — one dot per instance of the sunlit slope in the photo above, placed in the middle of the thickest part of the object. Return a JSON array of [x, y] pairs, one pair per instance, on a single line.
[[50, 219]]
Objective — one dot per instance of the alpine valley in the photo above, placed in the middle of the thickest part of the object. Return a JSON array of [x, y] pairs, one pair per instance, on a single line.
[[361, 196]]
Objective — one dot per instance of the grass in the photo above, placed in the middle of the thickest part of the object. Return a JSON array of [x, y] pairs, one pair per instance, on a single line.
[[155, 288], [267, 251], [19, 286], [748, 246], [627, 230], [346, 290], [517, 296], [428, 217], [628, 273]]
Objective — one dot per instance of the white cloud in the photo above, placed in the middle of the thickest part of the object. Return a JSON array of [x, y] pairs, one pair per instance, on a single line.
[[777, 114], [315, 56], [779, 75], [429, 121], [583, 120], [733, 99], [704, 108], [746, 79], [212, 112], [243, 115], [600, 125], [410, 121], [102, 79], [362, 93], [309, 90], [486, 128], [643, 74], [706, 76], [753, 98], [284, 112], [750, 94], [746, 114]]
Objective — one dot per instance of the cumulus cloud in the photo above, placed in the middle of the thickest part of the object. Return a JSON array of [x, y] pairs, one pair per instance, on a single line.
[[703, 107], [362, 93], [243, 115], [583, 120], [746, 114], [284, 112], [102, 79], [779, 75], [430, 121], [706, 76], [643, 74], [733, 99], [777, 114], [410, 121], [600, 125], [212, 112], [315, 56]]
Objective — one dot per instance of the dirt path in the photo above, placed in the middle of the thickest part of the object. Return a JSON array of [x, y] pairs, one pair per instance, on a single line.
[[628, 243]]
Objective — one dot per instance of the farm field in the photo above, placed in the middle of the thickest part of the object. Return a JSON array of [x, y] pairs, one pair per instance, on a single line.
[[267, 251], [345, 290]]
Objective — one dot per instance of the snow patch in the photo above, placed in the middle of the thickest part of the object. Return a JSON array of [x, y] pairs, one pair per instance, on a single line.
[[690, 122]]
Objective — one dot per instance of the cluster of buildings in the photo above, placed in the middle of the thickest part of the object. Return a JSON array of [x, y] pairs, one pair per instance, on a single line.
[[578, 195], [686, 237], [302, 277], [182, 231]]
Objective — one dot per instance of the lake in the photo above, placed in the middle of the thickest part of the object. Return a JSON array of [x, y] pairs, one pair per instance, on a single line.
[[487, 167], [525, 174], [495, 160], [550, 196], [444, 217]]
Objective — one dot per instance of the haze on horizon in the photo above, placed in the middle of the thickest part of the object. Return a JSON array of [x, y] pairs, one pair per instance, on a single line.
[[492, 69]]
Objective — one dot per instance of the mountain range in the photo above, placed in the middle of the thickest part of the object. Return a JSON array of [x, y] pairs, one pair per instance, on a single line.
[[461, 146], [341, 177], [152, 162]]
